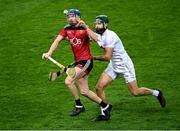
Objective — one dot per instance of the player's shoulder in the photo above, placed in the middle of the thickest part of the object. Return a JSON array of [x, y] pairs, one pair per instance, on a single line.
[[69, 27], [81, 28], [113, 34], [110, 32]]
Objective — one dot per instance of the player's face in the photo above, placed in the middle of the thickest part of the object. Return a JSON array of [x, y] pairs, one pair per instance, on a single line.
[[72, 19], [99, 25], [100, 28]]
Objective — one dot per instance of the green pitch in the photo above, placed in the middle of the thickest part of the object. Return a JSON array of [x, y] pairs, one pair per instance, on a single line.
[[150, 31]]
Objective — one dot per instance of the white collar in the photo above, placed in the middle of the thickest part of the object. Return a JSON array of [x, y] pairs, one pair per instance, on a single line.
[[105, 32]]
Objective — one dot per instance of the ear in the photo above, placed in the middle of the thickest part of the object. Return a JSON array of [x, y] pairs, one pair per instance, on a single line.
[[105, 25]]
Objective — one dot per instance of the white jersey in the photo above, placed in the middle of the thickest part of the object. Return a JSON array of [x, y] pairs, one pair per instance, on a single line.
[[120, 63], [111, 39]]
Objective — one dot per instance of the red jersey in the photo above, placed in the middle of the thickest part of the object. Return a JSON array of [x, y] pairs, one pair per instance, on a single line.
[[79, 40]]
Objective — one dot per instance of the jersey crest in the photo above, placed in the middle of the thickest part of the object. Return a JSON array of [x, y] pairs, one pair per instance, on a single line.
[[75, 42]]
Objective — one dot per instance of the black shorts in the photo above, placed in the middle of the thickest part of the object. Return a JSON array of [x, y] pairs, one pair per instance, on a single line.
[[85, 65]]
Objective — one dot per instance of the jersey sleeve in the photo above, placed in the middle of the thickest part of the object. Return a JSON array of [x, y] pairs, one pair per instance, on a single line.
[[63, 33]]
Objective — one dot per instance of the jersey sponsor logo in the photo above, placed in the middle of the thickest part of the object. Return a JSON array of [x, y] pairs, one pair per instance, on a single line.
[[74, 41]]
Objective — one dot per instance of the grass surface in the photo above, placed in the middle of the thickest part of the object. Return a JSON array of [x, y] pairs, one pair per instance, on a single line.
[[150, 32]]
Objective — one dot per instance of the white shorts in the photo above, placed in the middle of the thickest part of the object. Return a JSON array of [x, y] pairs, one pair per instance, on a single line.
[[126, 70]]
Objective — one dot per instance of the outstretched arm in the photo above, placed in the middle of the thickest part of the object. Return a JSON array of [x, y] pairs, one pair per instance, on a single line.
[[54, 45], [90, 32], [106, 56], [107, 51], [92, 35]]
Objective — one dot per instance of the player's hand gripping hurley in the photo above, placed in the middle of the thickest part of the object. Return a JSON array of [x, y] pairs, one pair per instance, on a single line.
[[69, 71]]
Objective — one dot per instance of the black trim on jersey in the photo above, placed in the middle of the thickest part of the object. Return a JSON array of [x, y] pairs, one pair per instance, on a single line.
[[69, 27]]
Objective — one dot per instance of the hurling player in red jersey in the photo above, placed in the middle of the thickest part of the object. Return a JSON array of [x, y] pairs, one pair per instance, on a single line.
[[79, 39]]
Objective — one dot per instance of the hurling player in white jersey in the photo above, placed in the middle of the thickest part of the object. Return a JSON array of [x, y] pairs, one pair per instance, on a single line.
[[120, 64]]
